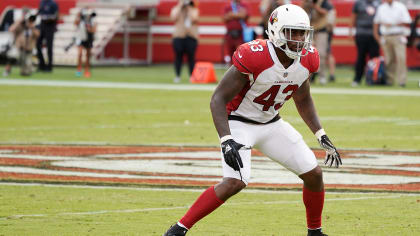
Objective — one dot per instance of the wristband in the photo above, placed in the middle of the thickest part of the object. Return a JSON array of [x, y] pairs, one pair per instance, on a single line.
[[226, 137], [319, 133]]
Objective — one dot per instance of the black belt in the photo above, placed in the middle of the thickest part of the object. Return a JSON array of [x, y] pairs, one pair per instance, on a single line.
[[396, 34], [242, 119], [321, 30]]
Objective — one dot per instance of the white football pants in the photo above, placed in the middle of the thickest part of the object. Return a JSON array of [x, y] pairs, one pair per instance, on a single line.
[[278, 140]]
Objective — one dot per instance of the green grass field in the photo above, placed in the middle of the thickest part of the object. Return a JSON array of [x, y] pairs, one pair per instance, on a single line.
[[143, 116], [37, 210], [73, 115]]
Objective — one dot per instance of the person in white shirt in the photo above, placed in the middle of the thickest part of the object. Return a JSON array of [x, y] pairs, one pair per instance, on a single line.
[[391, 19]]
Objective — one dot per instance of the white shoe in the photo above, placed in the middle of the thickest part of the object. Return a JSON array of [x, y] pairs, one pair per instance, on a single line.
[[323, 81], [355, 84], [227, 59], [6, 73], [177, 80]]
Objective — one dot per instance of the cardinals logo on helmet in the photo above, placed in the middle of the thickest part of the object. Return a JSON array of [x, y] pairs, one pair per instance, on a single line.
[[273, 17]]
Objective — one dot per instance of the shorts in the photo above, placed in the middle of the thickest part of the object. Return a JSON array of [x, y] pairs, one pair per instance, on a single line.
[[88, 43], [279, 141]]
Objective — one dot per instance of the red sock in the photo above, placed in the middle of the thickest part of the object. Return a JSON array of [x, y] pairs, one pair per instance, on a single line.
[[204, 205], [314, 202]]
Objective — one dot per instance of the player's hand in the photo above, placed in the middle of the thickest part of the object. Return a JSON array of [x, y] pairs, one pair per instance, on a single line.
[[230, 150], [332, 154]]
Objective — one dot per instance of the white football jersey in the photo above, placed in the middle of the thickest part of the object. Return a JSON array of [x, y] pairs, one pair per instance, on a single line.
[[270, 84]]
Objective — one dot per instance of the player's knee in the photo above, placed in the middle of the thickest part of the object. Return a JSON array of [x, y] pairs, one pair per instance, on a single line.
[[235, 185], [317, 174], [313, 177]]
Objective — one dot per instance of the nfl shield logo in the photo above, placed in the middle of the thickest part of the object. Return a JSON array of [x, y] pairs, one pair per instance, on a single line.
[[285, 74]]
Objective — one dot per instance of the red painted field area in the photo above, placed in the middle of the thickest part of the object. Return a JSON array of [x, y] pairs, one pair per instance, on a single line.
[[196, 166]]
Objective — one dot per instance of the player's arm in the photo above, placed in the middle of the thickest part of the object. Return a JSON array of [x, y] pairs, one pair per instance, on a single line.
[[176, 10], [14, 27], [306, 108], [352, 23], [77, 19], [232, 83], [193, 14]]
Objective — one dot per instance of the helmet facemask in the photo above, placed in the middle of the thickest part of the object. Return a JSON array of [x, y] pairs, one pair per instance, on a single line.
[[287, 35]]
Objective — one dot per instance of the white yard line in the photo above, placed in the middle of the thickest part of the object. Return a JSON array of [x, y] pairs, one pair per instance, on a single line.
[[181, 189], [185, 207], [369, 195], [204, 87]]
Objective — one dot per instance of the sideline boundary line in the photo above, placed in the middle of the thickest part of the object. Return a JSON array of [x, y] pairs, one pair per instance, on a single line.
[[185, 207], [181, 189], [183, 87], [195, 145]]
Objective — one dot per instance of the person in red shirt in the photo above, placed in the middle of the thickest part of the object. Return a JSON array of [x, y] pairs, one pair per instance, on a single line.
[[235, 14]]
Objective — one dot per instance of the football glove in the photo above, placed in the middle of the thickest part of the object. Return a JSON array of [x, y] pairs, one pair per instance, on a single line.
[[230, 150], [332, 155]]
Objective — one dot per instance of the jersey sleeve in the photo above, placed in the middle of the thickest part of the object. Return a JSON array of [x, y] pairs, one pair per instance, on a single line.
[[311, 60], [241, 59], [252, 58]]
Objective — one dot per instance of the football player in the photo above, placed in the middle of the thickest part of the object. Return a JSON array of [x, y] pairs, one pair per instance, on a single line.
[[264, 75]]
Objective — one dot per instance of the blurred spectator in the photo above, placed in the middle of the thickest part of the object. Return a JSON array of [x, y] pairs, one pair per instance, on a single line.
[[318, 13], [48, 11], [185, 37], [234, 14], [7, 45], [86, 28], [266, 7], [414, 38], [25, 39], [330, 56], [391, 18], [362, 18]]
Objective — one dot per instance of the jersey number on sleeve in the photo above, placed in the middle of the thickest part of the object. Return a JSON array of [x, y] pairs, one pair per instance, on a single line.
[[267, 98], [255, 46]]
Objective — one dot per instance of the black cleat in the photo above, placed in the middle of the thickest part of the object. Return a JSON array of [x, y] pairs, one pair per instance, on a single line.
[[316, 232], [176, 230]]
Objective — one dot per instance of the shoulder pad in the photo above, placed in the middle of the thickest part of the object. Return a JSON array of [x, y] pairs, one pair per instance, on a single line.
[[252, 57], [311, 60]]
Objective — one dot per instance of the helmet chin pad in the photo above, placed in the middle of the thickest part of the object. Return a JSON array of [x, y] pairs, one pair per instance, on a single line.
[[286, 50]]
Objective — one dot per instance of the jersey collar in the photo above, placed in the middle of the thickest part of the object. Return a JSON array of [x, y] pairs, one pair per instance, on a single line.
[[276, 61]]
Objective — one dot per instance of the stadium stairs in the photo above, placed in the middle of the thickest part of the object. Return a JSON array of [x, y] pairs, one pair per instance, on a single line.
[[110, 18]]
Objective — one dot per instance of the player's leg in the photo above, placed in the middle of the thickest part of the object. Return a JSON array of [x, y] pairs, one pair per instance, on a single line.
[[232, 183], [373, 47], [191, 48], [287, 147], [39, 44], [400, 49], [177, 45], [313, 198], [359, 67], [79, 60], [321, 42], [206, 203], [330, 58], [390, 63], [87, 63], [22, 61], [50, 43]]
